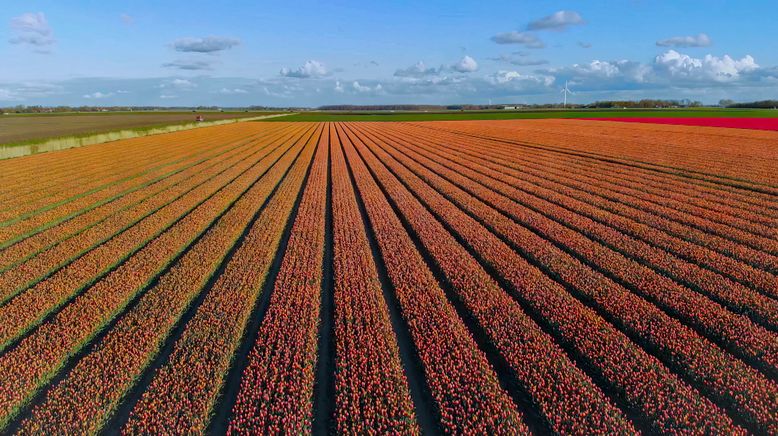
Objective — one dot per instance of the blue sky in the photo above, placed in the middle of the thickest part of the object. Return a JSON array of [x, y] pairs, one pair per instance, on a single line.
[[305, 53]]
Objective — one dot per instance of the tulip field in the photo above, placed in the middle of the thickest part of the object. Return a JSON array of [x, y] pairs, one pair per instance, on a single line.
[[484, 276]]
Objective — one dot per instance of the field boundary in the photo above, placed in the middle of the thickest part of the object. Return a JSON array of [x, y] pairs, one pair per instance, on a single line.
[[8, 151]]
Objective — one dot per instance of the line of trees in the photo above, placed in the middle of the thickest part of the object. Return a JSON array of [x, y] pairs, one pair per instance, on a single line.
[[22, 109], [764, 104]]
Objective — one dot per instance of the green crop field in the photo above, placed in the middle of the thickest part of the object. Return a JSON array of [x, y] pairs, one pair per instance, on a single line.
[[20, 129]]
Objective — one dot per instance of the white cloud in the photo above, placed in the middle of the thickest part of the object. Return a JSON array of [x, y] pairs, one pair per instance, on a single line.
[[528, 40], [558, 21], [417, 70], [98, 95], [338, 86], [209, 44], [360, 88], [32, 29], [503, 77], [182, 84], [8, 95], [466, 65], [167, 96], [701, 40], [520, 60], [232, 91], [190, 64], [600, 72], [718, 69], [311, 69], [363, 88]]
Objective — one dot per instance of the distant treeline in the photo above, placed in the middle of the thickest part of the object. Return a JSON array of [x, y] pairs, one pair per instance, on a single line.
[[21, 109], [764, 104], [382, 107], [644, 104]]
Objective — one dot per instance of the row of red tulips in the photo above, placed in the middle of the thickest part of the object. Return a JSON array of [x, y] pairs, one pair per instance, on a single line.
[[708, 216], [466, 392], [637, 378], [738, 160], [666, 189], [728, 379], [371, 391], [695, 308], [638, 210], [603, 226], [567, 398], [576, 199], [276, 387], [711, 192]]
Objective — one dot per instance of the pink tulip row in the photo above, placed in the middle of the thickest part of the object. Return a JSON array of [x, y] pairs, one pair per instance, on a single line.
[[678, 193], [639, 379], [635, 210], [740, 159], [669, 199], [604, 226]]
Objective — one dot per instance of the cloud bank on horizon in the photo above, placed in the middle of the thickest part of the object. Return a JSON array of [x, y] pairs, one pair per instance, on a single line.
[[307, 55]]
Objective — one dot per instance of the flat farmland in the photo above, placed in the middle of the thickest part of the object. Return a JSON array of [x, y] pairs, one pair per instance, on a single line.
[[19, 128], [490, 277]]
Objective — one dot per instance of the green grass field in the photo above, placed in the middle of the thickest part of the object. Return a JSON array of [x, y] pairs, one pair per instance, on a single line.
[[524, 114], [22, 129]]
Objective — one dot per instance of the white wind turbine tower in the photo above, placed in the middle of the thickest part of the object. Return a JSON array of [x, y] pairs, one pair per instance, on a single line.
[[566, 91]]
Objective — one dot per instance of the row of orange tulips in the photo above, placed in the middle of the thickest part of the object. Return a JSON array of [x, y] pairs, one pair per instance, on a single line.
[[181, 396], [14, 255], [91, 392], [40, 355], [61, 253]]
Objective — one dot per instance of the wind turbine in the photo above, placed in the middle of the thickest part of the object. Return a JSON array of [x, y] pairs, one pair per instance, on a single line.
[[566, 91]]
